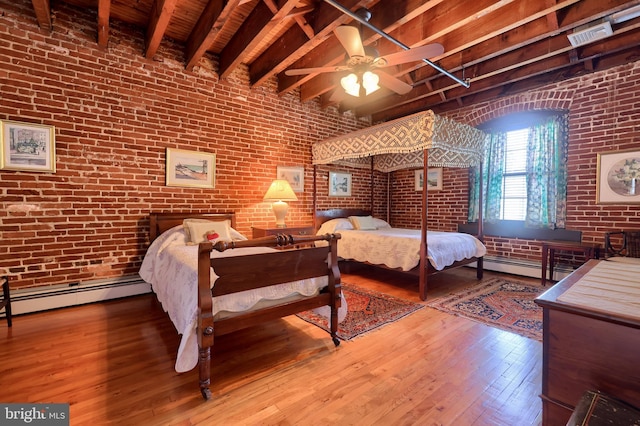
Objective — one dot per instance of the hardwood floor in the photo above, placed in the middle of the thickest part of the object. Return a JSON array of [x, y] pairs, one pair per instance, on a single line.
[[113, 362]]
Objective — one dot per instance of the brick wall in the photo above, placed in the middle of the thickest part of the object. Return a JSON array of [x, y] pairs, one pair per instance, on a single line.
[[115, 113]]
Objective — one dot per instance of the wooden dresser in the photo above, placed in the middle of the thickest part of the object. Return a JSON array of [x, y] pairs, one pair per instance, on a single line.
[[591, 337]]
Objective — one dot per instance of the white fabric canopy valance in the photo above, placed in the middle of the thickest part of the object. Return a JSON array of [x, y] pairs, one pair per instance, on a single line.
[[399, 144]]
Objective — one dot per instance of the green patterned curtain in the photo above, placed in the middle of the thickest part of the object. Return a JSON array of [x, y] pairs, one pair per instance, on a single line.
[[492, 174], [547, 174]]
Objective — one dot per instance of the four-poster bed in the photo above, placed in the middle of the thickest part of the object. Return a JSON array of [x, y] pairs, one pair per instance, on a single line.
[[421, 140]]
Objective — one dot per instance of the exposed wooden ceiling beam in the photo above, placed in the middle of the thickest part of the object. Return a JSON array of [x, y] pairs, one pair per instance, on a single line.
[[206, 29], [161, 14], [262, 20], [43, 13], [104, 10]]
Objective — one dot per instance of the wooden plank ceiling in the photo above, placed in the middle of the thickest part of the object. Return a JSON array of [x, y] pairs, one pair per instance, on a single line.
[[497, 47]]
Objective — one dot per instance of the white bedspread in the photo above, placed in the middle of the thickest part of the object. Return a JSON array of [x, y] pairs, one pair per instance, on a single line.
[[400, 248], [171, 267]]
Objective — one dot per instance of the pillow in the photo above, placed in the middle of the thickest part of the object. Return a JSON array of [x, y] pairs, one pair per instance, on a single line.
[[235, 235], [334, 225], [363, 223], [380, 224], [202, 230]]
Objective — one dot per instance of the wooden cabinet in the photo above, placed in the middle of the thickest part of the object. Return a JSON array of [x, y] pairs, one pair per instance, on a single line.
[[293, 230], [591, 338]]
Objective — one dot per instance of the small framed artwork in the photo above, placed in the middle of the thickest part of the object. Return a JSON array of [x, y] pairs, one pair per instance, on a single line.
[[434, 179], [339, 184], [27, 147], [618, 177], [190, 168], [293, 175]]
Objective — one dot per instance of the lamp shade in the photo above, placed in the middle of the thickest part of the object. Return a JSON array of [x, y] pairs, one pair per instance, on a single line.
[[280, 190]]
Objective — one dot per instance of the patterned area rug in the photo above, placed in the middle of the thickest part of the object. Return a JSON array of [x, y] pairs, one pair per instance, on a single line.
[[367, 310], [501, 303]]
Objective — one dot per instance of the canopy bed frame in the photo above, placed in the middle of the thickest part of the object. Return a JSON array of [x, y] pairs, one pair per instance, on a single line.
[[420, 140], [248, 272]]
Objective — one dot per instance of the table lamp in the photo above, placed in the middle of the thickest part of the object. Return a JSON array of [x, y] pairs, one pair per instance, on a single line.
[[279, 192]]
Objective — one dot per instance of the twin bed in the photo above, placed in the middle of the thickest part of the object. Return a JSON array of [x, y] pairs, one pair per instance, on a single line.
[[254, 282]]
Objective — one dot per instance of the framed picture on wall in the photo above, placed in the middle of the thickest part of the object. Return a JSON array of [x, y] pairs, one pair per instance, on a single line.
[[434, 179], [293, 175], [339, 184], [618, 177], [27, 147], [190, 168]]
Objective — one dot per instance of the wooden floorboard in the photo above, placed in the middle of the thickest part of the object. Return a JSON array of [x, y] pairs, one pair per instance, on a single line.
[[113, 362]]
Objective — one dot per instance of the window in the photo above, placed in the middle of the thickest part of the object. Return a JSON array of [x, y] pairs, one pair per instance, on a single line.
[[513, 205], [524, 173]]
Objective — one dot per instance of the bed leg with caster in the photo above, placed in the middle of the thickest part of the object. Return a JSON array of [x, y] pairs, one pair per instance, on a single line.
[[204, 364]]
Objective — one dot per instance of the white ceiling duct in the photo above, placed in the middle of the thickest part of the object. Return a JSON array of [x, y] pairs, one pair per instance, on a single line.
[[593, 32]]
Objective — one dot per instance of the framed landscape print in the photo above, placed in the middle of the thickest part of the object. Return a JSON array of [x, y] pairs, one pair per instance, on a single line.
[[618, 175], [190, 168], [27, 147], [339, 184], [434, 179], [293, 175]]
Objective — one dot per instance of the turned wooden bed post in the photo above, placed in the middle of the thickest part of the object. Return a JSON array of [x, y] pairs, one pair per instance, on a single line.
[[315, 198], [480, 262], [424, 262], [205, 318]]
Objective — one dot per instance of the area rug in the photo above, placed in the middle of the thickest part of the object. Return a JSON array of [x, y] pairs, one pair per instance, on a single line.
[[502, 303], [367, 310]]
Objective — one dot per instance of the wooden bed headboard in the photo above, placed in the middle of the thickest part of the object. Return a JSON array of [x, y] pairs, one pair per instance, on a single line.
[[161, 222], [323, 216]]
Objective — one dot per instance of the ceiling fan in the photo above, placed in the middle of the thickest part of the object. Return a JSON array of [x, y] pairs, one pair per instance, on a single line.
[[364, 66]]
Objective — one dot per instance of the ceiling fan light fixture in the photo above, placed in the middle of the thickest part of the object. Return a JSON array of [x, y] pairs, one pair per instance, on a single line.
[[370, 82], [351, 84]]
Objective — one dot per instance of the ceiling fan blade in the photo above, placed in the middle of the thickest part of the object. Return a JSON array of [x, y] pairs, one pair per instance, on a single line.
[[318, 70], [415, 54], [349, 38], [390, 82]]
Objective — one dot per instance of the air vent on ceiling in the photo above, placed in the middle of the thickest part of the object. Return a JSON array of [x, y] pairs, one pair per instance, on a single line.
[[594, 32]]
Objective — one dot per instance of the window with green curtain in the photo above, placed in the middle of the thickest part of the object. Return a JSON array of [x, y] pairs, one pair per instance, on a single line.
[[524, 172]]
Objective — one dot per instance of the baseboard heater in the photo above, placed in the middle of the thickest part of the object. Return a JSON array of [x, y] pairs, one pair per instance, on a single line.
[[525, 268], [51, 297]]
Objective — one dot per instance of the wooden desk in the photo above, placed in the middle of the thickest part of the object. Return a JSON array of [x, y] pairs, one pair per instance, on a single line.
[[589, 250], [591, 338]]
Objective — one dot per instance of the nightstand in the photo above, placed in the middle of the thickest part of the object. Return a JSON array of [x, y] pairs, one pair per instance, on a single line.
[[290, 230]]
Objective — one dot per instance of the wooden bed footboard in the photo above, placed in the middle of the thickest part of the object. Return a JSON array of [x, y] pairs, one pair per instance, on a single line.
[[241, 273]]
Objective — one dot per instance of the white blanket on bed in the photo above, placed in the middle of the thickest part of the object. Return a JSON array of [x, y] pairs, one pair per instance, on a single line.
[[400, 248], [171, 267]]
